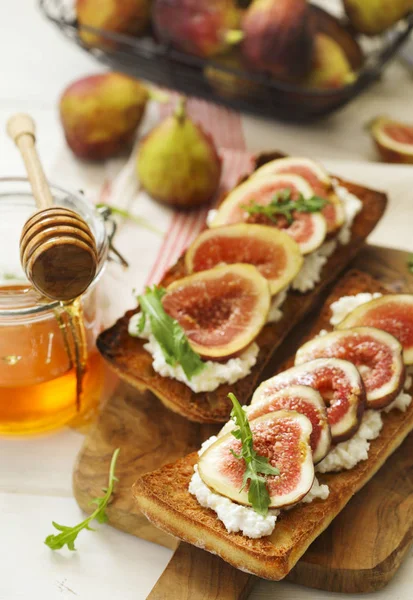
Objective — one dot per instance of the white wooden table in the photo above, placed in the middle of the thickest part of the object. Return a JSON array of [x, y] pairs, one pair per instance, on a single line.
[[35, 474]]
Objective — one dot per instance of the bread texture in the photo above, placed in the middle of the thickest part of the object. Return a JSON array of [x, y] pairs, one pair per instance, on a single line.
[[164, 498], [128, 358]]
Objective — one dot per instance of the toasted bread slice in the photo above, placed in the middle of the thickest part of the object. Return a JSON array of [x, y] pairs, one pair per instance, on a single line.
[[128, 358], [164, 498]]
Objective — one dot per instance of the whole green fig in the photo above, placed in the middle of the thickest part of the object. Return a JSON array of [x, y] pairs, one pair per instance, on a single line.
[[178, 163]]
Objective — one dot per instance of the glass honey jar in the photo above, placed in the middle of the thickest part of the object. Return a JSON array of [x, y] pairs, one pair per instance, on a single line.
[[50, 370]]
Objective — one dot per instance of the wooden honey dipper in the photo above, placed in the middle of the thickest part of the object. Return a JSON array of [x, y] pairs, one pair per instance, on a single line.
[[57, 248]]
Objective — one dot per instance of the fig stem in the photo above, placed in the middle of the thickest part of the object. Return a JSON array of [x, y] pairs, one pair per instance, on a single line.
[[180, 110], [234, 36]]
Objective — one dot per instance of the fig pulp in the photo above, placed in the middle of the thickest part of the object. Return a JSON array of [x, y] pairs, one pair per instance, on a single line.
[[319, 180], [278, 37], [283, 438], [393, 140], [221, 310], [377, 355], [178, 162], [338, 382], [100, 114], [200, 27], [392, 313], [308, 229], [303, 400], [274, 253]]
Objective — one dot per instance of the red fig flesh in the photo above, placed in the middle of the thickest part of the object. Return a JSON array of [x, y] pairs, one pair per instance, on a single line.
[[303, 400], [377, 355], [308, 229], [393, 139], [338, 382], [273, 252], [283, 438], [221, 310], [319, 180], [392, 313]]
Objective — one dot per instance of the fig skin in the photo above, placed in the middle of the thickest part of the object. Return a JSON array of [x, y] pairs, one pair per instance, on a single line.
[[234, 82], [206, 337], [117, 16], [278, 37], [100, 114], [390, 150], [330, 67], [372, 17], [178, 163], [199, 27]]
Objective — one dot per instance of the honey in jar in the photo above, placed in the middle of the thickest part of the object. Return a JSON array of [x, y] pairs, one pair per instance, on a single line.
[[50, 370]]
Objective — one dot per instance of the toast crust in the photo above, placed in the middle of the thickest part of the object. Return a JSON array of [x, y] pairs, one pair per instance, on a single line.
[[164, 498], [127, 357]]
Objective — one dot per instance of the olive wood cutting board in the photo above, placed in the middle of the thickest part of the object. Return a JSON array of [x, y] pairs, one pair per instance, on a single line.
[[377, 524]]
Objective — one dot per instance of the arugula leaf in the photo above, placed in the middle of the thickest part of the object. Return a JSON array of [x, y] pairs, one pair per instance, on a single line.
[[68, 535], [256, 466], [282, 204], [168, 332], [410, 263], [114, 210]]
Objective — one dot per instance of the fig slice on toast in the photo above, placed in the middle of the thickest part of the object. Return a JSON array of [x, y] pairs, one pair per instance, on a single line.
[[377, 355], [275, 254], [392, 313], [304, 400], [221, 310], [307, 229], [282, 437], [338, 382], [319, 180]]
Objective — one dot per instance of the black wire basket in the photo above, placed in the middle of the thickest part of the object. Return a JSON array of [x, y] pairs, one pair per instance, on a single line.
[[146, 58]]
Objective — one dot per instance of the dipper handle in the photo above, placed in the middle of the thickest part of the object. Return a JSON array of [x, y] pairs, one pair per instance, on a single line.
[[22, 130]]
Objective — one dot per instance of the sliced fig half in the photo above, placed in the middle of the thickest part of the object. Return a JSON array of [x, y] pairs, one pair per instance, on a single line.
[[307, 402], [221, 310], [275, 254], [283, 438], [338, 382], [308, 229], [319, 180], [392, 313], [393, 139], [377, 355]]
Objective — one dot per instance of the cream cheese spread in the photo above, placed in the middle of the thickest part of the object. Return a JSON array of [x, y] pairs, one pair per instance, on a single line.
[[212, 375]]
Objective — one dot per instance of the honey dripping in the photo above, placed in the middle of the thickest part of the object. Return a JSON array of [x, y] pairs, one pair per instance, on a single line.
[[76, 347]]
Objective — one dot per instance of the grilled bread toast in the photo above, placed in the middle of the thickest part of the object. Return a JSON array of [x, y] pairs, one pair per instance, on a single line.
[[127, 356], [164, 498]]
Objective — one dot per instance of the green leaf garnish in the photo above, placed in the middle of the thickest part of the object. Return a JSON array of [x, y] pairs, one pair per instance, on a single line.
[[410, 263], [257, 467], [68, 535], [283, 205], [168, 332]]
